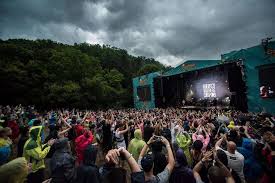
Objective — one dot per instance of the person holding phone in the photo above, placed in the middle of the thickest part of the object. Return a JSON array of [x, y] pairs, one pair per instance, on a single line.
[[217, 173], [146, 160]]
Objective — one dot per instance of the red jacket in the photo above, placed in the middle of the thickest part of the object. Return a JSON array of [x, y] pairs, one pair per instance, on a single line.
[[79, 130], [81, 143], [15, 129]]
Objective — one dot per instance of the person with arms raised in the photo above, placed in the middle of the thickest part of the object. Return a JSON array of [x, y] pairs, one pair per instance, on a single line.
[[147, 163]]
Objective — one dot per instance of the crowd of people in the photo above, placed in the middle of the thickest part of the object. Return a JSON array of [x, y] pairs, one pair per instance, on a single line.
[[153, 146]]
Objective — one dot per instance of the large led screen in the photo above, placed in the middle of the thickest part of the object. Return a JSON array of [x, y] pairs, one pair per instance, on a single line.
[[209, 90]]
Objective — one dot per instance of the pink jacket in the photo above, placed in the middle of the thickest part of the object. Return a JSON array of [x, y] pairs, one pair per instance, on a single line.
[[205, 141]]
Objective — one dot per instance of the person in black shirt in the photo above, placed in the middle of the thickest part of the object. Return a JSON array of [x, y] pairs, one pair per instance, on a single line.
[[23, 138], [148, 131], [71, 132], [132, 130], [126, 135], [107, 136]]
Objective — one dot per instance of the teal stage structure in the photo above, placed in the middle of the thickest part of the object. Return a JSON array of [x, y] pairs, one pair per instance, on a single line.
[[142, 81], [251, 58]]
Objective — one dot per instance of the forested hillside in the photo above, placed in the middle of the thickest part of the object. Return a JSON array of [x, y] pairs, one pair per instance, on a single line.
[[50, 74]]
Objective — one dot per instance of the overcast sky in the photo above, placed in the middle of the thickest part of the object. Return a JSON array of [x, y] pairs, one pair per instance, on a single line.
[[171, 31]]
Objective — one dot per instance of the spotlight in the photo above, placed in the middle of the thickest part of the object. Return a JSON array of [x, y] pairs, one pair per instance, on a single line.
[[226, 100]]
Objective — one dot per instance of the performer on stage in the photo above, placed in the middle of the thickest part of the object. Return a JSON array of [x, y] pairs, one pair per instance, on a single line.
[[183, 102]]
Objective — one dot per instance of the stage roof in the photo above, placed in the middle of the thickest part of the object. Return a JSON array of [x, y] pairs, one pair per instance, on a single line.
[[191, 65], [255, 52]]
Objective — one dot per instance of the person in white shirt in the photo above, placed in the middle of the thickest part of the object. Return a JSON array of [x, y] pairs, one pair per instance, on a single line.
[[235, 159], [119, 135]]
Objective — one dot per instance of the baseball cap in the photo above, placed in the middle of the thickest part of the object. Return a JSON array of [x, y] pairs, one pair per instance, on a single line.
[[147, 162]]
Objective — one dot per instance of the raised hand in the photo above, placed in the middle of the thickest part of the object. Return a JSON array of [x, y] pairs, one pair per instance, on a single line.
[[51, 142], [113, 156], [207, 156], [164, 141]]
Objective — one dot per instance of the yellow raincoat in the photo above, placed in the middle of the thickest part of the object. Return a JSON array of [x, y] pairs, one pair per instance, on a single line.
[[14, 171], [231, 125], [34, 151], [184, 140], [136, 144]]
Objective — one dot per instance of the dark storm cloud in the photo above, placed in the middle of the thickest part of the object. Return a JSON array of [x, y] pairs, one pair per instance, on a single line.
[[168, 30]]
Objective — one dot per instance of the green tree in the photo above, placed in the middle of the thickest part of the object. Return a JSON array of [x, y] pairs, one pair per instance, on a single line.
[[50, 74], [148, 68]]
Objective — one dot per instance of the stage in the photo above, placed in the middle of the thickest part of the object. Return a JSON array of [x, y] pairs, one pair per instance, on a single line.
[[206, 108], [217, 87]]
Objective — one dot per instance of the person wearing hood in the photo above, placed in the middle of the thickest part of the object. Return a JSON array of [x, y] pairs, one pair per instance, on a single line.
[[5, 144], [136, 144], [252, 169], [181, 172], [35, 152], [62, 163], [12, 124], [81, 143], [52, 119], [88, 171], [14, 171], [231, 125], [183, 140]]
